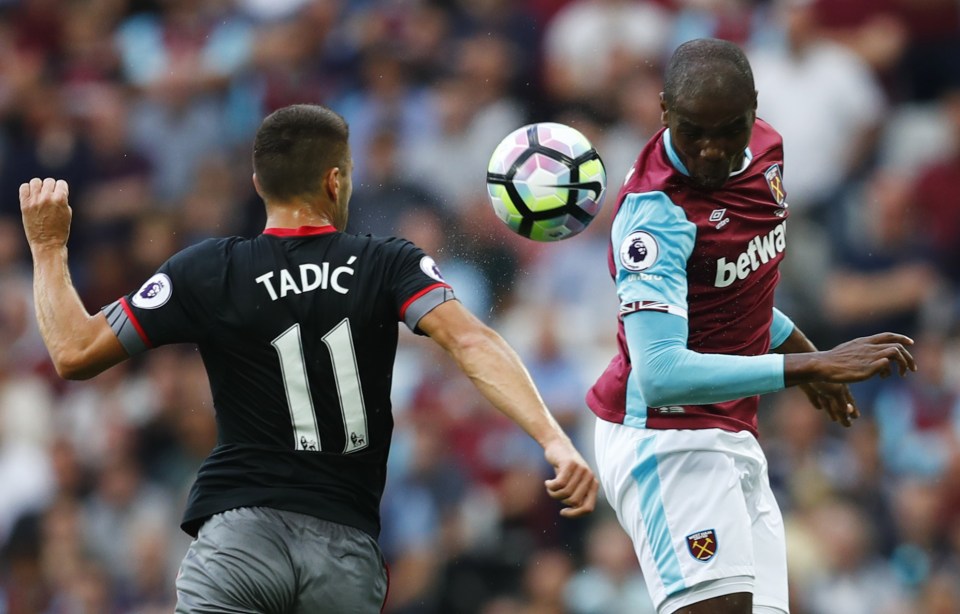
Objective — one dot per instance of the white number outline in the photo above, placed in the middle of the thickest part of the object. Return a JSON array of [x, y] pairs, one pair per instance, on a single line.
[[303, 417]]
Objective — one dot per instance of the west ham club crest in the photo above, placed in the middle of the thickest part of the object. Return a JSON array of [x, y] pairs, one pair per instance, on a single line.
[[775, 183], [702, 545]]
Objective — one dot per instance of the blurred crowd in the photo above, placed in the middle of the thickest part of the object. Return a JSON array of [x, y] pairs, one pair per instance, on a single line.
[[148, 108]]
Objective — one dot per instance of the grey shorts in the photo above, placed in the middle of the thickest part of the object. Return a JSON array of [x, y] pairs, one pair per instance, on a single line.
[[267, 561]]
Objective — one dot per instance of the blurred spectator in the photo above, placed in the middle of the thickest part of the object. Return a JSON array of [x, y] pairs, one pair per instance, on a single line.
[[880, 250], [740, 21], [936, 193], [546, 574], [807, 461], [590, 45], [919, 417], [870, 28], [638, 113], [119, 176], [386, 100], [307, 56], [824, 101], [913, 42], [851, 578], [379, 202], [611, 582], [122, 508], [474, 115], [42, 140], [922, 549], [421, 512], [187, 49]]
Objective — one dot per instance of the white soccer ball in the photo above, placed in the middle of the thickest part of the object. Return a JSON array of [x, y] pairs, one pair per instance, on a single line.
[[546, 181]]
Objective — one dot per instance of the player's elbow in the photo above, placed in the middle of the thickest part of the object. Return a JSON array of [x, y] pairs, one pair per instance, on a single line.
[[656, 392], [661, 377], [74, 366], [475, 341], [68, 369]]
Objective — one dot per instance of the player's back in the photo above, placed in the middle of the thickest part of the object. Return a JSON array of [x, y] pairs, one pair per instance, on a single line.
[[298, 332]]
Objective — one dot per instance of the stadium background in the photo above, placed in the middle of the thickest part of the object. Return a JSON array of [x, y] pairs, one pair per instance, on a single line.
[[148, 107]]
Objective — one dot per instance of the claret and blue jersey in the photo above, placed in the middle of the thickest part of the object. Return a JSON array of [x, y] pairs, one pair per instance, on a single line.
[[707, 263]]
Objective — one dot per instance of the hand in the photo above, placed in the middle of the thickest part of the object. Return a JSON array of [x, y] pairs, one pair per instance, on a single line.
[[574, 484], [835, 399], [46, 214], [864, 357]]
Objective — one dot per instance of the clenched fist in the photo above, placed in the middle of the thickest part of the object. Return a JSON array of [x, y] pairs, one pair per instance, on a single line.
[[46, 214]]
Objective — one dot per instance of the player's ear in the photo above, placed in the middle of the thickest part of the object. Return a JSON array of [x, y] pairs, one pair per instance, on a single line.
[[664, 116], [332, 183], [256, 185]]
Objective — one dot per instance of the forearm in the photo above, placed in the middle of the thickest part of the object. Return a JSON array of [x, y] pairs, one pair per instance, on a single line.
[[670, 374], [500, 376], [63, 320]]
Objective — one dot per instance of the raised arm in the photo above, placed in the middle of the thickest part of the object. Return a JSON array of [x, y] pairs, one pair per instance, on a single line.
[[498, 373], [80, 345]]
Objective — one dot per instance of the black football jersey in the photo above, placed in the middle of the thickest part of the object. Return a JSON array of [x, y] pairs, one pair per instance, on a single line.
[[298, 333]]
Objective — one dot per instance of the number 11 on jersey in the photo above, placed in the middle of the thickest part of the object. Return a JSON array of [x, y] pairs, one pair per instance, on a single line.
[[303, 417]]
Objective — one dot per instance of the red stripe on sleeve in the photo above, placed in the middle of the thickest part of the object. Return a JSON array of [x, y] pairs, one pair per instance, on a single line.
[[135, 322], [409, 301]]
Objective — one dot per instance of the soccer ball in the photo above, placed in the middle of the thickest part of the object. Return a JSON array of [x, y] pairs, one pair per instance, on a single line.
[[546, 182]]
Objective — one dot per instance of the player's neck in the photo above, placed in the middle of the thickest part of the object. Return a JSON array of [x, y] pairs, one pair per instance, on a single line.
[[295, 215]]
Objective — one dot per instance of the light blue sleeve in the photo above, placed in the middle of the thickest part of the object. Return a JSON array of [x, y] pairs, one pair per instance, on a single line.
[[780, 328], [670, 374], [652, 240]]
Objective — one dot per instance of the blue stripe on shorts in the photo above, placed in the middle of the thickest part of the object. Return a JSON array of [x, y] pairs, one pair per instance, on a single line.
[[655, 518]]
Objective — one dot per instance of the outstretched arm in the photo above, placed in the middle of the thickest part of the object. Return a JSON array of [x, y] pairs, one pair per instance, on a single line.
[[671, 374], [80, 345], [497, 372]]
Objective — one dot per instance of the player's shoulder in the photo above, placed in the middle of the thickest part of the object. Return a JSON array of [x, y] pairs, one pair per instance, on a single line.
[[381, 246], [207, 252], [765, 139]]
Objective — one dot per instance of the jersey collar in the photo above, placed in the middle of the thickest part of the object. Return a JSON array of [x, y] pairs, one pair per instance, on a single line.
[[678, 164], [302, 231]]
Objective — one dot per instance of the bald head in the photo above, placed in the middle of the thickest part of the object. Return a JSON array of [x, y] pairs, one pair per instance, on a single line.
[[707, 67]]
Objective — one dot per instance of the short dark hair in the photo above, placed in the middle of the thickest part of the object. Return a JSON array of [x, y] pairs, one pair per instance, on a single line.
[[295, 146], [707, 63]]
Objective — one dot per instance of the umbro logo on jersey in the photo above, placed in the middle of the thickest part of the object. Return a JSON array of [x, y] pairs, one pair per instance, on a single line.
[[702, 545], [718, 217]]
